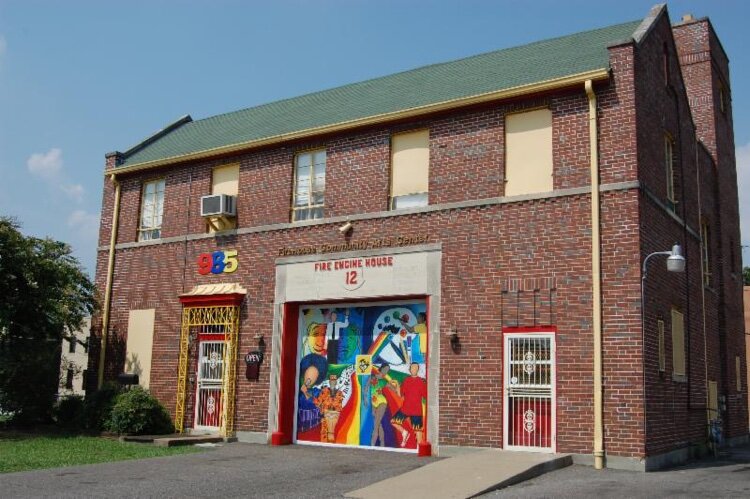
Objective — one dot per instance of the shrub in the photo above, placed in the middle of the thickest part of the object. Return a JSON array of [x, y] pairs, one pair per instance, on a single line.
[[136, 412], [97, 407], [69, 411]]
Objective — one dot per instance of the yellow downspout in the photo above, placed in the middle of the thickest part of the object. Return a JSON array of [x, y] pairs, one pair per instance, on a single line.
[[596, 278], [108, 288]]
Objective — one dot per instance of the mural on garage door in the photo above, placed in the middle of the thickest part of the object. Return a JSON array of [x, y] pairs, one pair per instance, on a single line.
[[362, 375]]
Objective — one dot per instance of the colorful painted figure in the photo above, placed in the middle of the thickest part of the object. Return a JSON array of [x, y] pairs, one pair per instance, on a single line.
[[413, 390], [380, 382], [313, 369], [316, 339], [333, 334]]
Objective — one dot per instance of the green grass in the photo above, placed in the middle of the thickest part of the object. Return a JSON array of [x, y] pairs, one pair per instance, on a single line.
[[20, 452]]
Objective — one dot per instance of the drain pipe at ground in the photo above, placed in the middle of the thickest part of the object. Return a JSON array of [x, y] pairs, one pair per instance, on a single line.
[[108, 288], [596, 281]]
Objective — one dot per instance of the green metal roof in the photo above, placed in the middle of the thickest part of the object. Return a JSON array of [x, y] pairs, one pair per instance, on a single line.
[[490, 72]]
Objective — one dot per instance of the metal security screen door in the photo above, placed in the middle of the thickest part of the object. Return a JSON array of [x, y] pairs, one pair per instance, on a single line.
[[209, 390], [529, 395]]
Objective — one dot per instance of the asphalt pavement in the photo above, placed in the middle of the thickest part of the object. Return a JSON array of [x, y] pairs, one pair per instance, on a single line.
[[727, 476], [232, 470]]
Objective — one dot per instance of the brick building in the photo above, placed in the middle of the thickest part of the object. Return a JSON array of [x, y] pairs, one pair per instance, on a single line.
[[449, 256]]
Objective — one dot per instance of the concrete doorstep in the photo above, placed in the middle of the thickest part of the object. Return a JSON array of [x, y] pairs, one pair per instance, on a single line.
[[173, 440], [466, 475]]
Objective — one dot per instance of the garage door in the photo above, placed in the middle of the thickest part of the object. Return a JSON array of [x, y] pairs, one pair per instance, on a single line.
[[362, 375]]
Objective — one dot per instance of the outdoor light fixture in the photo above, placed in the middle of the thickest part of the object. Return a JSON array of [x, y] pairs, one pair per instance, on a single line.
[[455, 342], [346, 227], [675, 261]]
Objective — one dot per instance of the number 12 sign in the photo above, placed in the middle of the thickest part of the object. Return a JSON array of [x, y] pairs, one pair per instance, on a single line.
[[218, 262]]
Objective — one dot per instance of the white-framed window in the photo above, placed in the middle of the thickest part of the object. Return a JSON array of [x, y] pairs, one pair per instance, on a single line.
[[669, 167], [152, 209], [309, 185], [410, 169]]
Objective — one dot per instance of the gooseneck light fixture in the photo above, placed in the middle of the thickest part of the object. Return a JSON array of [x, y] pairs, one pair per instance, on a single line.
[[675, 263]]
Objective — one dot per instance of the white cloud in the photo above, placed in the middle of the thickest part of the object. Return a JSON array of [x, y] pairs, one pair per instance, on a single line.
[[743, 186], [85, 224], [49, 167], [46, 165], [74, 191]]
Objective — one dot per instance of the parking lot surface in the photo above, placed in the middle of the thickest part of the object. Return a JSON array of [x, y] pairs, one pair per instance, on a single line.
[[232, 470]]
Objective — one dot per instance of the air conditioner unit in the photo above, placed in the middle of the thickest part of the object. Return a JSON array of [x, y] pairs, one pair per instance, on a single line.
[[218, 205]]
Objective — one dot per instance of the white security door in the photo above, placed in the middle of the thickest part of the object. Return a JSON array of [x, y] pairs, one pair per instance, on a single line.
[[529, 394], [209, 385]]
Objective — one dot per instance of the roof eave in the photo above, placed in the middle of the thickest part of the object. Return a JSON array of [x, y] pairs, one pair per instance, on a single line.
[[542, 86]]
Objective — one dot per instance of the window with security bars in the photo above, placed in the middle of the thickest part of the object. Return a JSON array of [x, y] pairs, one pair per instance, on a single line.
[[309, 185], [152, 208]]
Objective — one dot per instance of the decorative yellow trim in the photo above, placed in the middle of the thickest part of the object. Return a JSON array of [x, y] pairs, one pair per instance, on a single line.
[[566, 81], [194, 318]]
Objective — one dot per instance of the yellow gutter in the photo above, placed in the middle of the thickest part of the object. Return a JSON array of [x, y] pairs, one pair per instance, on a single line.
[[557, 83], [108, 288], [596, 279]]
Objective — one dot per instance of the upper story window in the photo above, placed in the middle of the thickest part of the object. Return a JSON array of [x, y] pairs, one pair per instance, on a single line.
[[528, 152], [225, 180], [72, 345], [669, 168], [152, 208], [309, 185], [706, 252], [410, 169]]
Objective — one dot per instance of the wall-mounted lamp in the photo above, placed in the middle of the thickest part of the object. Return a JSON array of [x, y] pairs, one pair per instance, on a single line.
[[455, 341], [346, 228]]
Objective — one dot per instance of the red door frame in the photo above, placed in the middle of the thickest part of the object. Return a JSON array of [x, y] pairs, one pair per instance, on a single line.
[[548, 329]]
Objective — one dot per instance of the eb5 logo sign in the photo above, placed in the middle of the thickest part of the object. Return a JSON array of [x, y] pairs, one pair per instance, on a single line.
[[218, 262]]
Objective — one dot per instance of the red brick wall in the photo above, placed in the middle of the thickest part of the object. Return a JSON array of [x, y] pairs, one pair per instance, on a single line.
[[484, 248], [706, 69]]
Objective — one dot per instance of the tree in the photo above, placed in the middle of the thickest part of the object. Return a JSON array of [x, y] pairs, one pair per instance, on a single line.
[[44, 294], [746, 276]]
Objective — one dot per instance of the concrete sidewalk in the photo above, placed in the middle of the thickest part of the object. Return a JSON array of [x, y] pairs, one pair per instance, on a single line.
[[466, 475]]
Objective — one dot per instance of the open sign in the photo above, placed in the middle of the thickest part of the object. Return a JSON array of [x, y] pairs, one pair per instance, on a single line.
[[253, 360]]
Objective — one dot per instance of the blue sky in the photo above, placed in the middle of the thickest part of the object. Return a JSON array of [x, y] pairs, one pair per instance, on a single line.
[[80, 78]]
